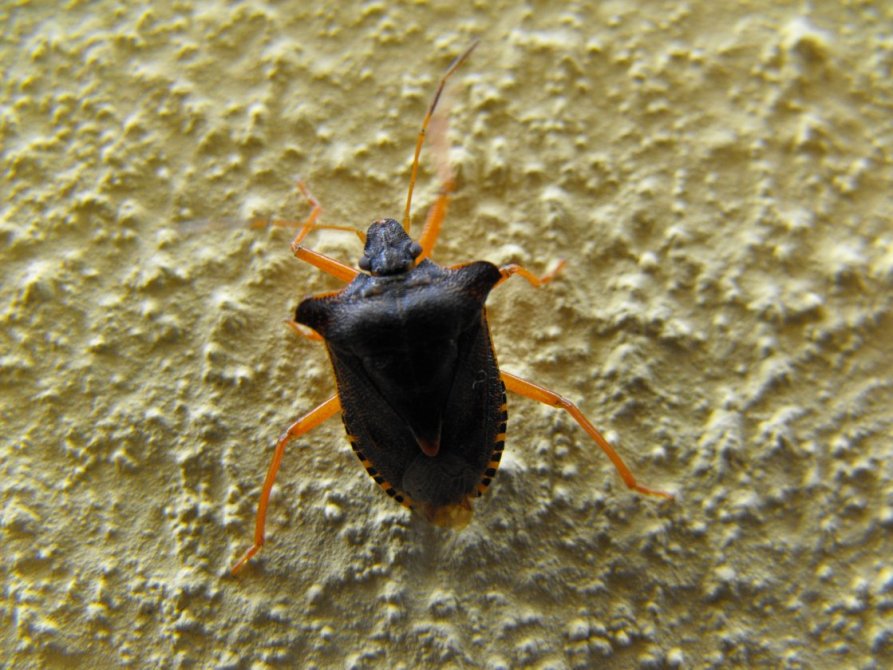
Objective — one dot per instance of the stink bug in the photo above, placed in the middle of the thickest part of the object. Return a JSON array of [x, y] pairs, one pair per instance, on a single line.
[[418, 388]]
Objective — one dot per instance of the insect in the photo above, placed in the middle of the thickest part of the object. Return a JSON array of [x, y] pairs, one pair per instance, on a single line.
[[420, 394]]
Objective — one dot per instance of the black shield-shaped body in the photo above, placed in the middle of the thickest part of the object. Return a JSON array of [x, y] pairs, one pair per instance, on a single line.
[[421, 397]]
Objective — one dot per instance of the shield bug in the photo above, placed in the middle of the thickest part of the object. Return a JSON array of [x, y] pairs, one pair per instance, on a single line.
[[418, 387]]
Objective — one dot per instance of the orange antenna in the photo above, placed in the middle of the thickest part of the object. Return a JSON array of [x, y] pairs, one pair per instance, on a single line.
[[418, 146]]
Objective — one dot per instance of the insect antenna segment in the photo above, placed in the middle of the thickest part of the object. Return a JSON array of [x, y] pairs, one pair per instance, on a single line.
[[421, 140]]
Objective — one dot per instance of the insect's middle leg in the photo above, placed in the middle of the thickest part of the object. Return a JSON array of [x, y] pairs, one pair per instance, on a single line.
[[543, 395], [303, 425]]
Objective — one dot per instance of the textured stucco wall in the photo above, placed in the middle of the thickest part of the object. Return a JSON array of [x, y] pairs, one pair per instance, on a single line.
[[718, 176]]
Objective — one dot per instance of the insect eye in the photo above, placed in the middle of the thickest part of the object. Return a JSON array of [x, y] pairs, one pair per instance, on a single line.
[[415, 249], [365, 263]]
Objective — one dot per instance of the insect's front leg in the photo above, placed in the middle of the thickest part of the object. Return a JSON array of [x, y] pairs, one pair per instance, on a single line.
[[303, 425], [543, 395], [330, 265]]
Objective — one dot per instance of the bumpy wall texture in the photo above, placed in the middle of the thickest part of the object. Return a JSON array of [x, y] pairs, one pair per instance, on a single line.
[[718, 177]]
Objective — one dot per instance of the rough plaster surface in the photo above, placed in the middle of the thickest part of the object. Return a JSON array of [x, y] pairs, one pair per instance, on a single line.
[[718, 176]]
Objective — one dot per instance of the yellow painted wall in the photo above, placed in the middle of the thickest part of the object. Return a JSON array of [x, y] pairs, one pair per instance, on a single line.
[[718, 177]]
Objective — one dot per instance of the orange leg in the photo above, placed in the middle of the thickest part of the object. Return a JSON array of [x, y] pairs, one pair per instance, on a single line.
[[315, 211], [310, 222], [508, 270], [304, 331], [540, 394], [291, 223], [335, 268], [303, 425]]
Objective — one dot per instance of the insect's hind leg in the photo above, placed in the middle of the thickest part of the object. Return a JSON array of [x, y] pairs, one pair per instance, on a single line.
[[543, 395], [303, 425]]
